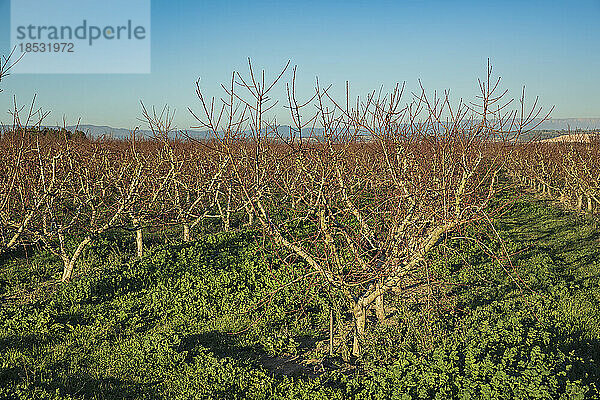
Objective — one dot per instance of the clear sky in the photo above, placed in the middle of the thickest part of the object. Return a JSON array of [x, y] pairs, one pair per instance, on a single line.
[[553, 47]]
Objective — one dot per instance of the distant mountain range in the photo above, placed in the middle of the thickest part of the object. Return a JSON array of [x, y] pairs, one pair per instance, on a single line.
[[560, 124], [554, 124], [96, 131], [109, 131], [103, 130]]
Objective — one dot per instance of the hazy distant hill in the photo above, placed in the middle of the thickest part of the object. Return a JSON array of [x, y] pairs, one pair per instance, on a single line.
[[554, 124], [96, 131], [570, 123]]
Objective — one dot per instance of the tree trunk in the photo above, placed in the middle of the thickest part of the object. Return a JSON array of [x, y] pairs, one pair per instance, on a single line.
[[331, 331], [589, 204], [250, 217], [359, 319], [227, 224], [186, 232], [69, 263], [139, 241], [379, 306], [579, 202], [139, 238], [228, 211], [67, 270]]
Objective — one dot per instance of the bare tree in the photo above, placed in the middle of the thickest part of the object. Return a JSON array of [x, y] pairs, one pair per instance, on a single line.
[[379, 183], [23, 189], [95, 188]]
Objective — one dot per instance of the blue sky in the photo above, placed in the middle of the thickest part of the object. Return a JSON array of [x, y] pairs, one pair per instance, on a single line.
[[553, 47]]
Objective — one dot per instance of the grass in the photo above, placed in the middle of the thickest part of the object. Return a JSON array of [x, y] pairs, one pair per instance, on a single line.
[[162, 327]]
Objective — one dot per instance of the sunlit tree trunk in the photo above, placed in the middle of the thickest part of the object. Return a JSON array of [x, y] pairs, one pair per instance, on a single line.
[[139, 237], [360, 317], [186, 232]]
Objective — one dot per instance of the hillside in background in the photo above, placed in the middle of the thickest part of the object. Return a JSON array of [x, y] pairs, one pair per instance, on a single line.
[[549, 129], [559, 124]]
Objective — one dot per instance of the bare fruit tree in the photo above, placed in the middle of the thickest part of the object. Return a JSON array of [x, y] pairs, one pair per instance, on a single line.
[[95, 188], [364, 191], [23, 189]]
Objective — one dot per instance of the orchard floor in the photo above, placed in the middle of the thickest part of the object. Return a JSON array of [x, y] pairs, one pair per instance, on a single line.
[[209, 320]]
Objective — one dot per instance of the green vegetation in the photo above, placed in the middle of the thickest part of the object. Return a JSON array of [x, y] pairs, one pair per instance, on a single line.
[[211, 319]]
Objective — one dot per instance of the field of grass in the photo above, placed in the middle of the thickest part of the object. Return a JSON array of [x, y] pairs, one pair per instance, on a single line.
[[206, 320]]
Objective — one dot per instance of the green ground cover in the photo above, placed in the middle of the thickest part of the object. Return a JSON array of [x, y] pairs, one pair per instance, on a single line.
[[209, 319]]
